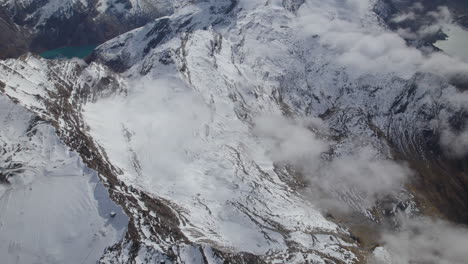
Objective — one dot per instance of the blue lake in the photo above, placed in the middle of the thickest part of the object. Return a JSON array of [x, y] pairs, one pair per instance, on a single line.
[[69, 52]]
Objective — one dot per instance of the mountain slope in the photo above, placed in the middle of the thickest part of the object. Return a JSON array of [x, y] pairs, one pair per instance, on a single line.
[[188, 215], [53, 208], [256, 131]]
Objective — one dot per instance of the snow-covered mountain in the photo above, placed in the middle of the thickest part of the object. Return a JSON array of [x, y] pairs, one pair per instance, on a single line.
[[247, 132]]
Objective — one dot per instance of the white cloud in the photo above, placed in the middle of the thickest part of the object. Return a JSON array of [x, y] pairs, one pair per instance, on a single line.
[[426, 241], [404, 17], [297, 142], [373, 177], [423, 23], [455, 143], [453, 137], [362, 48], [160, 120], [288, 140]]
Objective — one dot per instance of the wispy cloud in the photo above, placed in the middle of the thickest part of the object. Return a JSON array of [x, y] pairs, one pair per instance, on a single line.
[[363, 48], [425, 240], [303, 143]]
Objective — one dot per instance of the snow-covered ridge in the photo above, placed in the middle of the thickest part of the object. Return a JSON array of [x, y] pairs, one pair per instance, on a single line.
[[236, 216]]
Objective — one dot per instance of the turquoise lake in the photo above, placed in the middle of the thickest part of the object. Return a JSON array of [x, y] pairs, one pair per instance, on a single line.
[[69, 52]]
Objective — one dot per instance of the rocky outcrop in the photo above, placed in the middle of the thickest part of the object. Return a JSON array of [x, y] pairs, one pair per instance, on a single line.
[[14, 40]]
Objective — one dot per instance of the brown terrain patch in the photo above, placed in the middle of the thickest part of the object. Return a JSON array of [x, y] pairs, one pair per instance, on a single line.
[[14, 41]]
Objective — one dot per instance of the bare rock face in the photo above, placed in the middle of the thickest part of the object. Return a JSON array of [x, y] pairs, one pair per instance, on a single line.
[[14, 40]]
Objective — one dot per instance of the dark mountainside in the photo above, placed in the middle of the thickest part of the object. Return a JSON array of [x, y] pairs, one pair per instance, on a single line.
[[83, 25], [14, 40], [444, 179], [459, 9]]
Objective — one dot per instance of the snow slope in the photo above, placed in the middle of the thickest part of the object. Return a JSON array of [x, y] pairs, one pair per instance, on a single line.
[[53, 208]]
